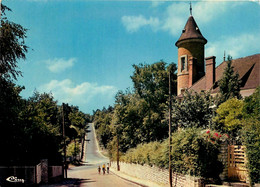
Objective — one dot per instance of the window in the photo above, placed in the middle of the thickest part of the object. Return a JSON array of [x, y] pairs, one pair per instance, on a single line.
[[183, 62]]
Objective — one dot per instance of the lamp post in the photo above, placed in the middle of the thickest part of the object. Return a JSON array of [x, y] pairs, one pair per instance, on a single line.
[[213, 112], [170, 121]]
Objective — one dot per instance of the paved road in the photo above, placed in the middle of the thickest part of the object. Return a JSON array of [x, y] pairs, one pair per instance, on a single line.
[[88, 175]]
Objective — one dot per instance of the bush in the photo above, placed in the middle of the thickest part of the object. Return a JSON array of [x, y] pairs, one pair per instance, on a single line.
[[251, 139], [194, 153], [229, 116], [153, 153], [73, 149]]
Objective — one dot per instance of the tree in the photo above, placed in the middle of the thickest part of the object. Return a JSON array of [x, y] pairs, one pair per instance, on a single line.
[[193, 110], [151, 82], [11, 133], [229, 116], [12, 46], [102, 120], [252, 105], [229, 84], [39, 119], [138, 115]]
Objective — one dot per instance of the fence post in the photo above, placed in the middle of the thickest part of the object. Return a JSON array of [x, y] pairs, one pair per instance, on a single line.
[[44, 167]]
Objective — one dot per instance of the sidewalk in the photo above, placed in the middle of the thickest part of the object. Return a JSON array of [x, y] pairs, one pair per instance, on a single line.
[[141, 182]]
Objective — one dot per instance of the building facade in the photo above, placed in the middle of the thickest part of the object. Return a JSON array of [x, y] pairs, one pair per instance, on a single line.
[[197, 73]]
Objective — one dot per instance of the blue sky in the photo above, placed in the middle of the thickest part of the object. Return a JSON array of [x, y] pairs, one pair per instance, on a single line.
[[82, 51]]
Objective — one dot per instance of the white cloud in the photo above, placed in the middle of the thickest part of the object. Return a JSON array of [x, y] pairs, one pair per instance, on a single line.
[[57, 65], [236, 46], [134, 23], [156, 3], [207, 11], [175, 16], [82, 94], [256, 1]]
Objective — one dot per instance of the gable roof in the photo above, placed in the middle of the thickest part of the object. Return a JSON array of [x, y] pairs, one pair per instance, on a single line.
[[248, 69], [191, 31]]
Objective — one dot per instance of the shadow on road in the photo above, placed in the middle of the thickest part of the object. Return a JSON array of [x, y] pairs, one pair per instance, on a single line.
[[70, 182]]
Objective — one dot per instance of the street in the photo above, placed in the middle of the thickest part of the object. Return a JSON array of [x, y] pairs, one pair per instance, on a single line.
[[87, 175]]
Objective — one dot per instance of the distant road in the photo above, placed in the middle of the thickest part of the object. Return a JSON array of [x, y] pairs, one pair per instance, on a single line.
[[88, 175]]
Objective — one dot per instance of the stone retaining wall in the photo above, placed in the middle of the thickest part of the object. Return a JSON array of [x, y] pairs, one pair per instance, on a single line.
[[157, 175]]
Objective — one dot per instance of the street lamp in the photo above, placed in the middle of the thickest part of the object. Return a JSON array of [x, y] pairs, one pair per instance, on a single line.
[[213, 111]]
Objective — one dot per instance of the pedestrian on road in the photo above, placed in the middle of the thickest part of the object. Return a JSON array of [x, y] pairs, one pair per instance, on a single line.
[[104, 169], [99, 169], [107, 168]]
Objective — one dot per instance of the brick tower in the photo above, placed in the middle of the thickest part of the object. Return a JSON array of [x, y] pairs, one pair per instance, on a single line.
[[190, 56]]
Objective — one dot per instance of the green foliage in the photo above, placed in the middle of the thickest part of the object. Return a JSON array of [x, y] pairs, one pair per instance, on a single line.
[[78, 122], [252, 105], [194, 154], [138, 116], [251, 139], [193, 110], [30, 129], [151, 82], [12, 45], [11, 134], [39, 124], [153, 153], [73, 149], [102, 121], [229, 116], [229, 84], [251, 134]]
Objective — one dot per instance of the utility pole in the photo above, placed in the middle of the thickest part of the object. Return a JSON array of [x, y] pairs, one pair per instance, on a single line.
[[117, 155], [170, 122], [0, 8], [64, 142]]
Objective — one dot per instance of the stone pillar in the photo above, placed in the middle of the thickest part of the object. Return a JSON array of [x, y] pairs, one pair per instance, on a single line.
[[223, 157], [44, 168]]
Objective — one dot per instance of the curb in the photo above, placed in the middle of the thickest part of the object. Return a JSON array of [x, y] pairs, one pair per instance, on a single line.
[[129, 180], [140, 182]]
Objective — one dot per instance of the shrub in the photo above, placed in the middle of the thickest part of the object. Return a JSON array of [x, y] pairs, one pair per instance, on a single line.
[[153, 153], [229, 116], [73, 149], [251, 139], [194, 153]]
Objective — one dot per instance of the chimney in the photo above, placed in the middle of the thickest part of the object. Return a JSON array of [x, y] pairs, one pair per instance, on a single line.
[[210, 72], [192, 70]]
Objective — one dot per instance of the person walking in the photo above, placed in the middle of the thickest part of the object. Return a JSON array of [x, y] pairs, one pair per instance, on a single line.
[[104, 169], [99, 169], [107, 168]]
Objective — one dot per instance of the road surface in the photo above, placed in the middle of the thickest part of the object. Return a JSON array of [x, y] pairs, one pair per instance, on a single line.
[[87, 175]]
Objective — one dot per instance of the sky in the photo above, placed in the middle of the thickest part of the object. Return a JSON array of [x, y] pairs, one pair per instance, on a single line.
[[82, 51]]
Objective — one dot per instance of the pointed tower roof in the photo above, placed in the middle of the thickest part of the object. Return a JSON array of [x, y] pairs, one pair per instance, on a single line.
[[191, 31]]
